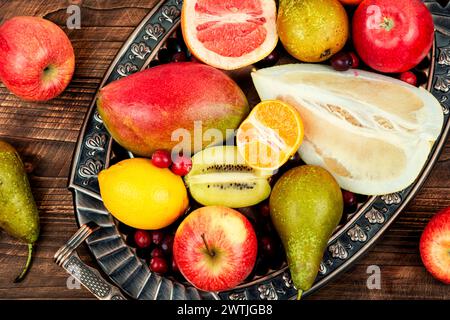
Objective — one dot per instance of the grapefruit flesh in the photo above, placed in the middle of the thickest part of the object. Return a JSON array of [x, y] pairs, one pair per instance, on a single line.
[[230, 34]]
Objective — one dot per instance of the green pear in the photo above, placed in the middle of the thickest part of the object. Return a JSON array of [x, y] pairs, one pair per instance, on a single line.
[[306, 206], [18, 211]]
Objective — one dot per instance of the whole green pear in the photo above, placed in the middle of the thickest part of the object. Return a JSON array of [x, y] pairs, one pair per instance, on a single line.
[[18, 211], [306, 206]]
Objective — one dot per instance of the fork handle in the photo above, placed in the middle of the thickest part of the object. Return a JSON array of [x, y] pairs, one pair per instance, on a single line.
[[91, 279]]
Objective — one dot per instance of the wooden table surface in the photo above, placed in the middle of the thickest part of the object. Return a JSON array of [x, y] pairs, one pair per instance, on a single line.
[[45, 134]]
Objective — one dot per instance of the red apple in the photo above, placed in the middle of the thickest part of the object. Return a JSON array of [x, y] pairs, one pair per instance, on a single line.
[[392, 36], [37, 60], [215, 248], [435, 246]]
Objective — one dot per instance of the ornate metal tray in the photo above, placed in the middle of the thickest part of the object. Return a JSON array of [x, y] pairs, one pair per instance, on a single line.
[[95, 150]]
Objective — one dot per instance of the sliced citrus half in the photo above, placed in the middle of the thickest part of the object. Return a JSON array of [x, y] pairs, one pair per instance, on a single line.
[[229, 34], [271, 134]]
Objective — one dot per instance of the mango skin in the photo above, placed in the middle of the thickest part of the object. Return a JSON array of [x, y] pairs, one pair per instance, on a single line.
[[306, 206], [18, 211], [142, 111]]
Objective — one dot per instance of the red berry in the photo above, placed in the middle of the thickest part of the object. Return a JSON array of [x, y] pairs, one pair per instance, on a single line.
[[175, 266], [265, 209], [181, 166], [158, 265], [267, 246], [157, 237], [167, 244], [179, 57], [342, 61], [350, 201], [355, 60], [161, 159], [142, 239], [157, 252], [269, 61], [409, 77]]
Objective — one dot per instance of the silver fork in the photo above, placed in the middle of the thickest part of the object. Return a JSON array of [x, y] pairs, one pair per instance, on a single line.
[[90, 278]]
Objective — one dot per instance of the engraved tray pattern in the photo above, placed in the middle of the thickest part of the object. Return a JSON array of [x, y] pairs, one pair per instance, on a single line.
[[133, 276]]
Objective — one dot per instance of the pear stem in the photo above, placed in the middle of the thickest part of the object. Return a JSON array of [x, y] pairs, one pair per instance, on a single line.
[[210, 252], [27, 265], [299, 294]]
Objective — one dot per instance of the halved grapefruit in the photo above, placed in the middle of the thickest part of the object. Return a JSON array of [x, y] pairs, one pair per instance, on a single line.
[[229, 34]]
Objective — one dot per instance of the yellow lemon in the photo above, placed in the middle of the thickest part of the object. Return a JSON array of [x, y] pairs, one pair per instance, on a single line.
[[141, 195]]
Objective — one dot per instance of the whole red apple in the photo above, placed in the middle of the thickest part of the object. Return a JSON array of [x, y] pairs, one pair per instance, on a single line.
[[215, 248], [392, 35], [435, 246], [37, 60]]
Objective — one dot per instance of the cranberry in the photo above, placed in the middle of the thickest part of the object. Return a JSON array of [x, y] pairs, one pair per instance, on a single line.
[[350, 201], [355, 60], [142, 239], [157, 252], [265, 209], [267, 247], [175, 266], [269, 61], [409, 77], [157, 237], [161, 159], [341, 61], [158, 265], [179, 57], [167, 244], [181, 166]]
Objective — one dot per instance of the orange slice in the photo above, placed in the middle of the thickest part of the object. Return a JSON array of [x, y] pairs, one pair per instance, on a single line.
[[271, 134], [229, 34]]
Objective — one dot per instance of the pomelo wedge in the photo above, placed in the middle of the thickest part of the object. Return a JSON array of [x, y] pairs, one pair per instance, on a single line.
[[373, 133], [229, 34]]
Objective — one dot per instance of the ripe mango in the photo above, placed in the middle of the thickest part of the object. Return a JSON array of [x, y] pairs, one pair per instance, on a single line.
[[143, 110]]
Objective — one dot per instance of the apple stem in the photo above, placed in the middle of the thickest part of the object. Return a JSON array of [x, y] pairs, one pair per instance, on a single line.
[[210, 252], [387, 24], [49, 72]]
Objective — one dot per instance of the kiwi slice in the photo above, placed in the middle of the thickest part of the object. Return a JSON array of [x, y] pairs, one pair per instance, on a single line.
[[220, 177]]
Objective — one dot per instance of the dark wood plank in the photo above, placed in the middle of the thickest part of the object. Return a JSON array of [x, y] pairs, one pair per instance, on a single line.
[[46, 133]]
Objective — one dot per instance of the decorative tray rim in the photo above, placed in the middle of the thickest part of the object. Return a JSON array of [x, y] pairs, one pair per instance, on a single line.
[[354, 239]]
